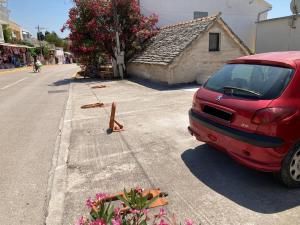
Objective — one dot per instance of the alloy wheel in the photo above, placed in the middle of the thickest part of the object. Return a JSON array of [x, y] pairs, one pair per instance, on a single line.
[[295, 166]]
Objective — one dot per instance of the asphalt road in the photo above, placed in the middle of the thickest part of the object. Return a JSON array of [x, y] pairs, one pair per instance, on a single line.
[[31, 108]]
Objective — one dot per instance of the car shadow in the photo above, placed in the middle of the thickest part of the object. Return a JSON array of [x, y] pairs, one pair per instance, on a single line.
[[257, 191]]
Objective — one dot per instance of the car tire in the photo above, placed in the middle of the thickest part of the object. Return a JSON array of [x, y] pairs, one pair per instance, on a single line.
[[289, 174]]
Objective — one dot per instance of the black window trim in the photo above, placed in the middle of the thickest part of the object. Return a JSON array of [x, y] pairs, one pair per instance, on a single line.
[[218, 42]]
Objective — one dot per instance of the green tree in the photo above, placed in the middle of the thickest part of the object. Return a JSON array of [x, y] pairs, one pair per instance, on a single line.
[[7, 33], [53, 38]]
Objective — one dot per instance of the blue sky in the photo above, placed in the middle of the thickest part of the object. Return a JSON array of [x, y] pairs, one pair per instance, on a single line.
[[52, 14]]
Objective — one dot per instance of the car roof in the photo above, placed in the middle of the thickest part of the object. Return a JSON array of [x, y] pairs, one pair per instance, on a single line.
[[289, 59]]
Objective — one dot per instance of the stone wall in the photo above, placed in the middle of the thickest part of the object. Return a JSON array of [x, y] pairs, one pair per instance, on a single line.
[[158, 73], [197, 63]]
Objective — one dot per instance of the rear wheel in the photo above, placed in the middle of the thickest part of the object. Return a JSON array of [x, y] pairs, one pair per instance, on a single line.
[[290, 171]]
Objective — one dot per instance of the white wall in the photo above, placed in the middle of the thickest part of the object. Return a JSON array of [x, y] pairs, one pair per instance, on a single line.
[[59, 53], [4, 18], [278, 35], [240, 15], [1, 33]]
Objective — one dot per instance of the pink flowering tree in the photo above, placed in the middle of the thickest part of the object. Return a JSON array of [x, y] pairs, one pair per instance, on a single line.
[[93, 30], [132, 210]]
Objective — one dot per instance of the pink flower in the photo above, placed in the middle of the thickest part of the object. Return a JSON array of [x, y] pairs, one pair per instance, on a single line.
[[98, 222], [162, 222], [81, 221], [139, 190], [145, 211], [101, 196], [117, 211], [135, 211], [89, 203], [162, 212], [116, 221], [188, 222]]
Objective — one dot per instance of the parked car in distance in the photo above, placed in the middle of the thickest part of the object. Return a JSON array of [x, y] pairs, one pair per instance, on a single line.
[[251, 110]]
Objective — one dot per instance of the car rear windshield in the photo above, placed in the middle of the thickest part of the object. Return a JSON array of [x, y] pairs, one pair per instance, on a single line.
[[250, 81]]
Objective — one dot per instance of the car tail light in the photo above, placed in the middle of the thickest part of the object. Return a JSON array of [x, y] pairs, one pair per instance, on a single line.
[[194, 100], [269, 115]]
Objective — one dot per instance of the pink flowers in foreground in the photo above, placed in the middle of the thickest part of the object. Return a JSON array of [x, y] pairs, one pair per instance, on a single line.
[[101, 196], [116, 221], [132, 208], [162, 213], [98, 222], [139, 190], [81, 221], [89, 203], [162, 222], [189, 222]]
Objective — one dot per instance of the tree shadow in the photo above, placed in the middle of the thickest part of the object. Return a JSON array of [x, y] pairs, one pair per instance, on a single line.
[[67, 81], [163, 86], [257, 191]]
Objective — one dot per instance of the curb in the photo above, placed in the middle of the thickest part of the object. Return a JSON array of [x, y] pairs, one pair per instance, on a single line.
[[8, 71], [14, 70], [57, 182]]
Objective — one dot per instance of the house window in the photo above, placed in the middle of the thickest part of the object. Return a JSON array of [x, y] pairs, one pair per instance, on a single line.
[[198, 14], [214, 42]]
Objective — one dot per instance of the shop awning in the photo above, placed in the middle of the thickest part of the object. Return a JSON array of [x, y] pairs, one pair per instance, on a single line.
[[14, 45]]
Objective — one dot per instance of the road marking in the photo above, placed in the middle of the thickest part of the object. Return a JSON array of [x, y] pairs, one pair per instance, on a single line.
[[10, 85]]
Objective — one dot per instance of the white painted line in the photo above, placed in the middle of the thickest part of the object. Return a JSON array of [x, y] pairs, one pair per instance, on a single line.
[[10, 85]]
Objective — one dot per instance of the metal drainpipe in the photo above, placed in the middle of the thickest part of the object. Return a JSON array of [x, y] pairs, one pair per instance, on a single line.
[[258, 19]]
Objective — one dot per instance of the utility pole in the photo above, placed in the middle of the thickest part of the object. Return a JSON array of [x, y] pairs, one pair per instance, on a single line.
[[119, 55], [39, 30]]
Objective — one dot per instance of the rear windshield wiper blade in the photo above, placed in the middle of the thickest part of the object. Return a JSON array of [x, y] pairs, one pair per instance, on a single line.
[[232, 90]]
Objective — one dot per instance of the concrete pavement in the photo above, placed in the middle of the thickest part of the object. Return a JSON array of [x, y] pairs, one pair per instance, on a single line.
[[31, 107], [155, 150]]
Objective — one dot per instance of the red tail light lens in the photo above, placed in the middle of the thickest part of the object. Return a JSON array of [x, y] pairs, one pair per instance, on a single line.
[[270, 115]]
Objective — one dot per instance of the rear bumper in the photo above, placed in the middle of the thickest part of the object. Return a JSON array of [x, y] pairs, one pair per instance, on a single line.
[[250, 138], [256, 151]]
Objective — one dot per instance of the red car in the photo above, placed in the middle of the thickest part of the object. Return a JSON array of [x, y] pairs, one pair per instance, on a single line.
[[251, 110]]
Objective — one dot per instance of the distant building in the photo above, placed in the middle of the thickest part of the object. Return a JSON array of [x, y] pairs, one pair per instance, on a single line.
[[240, 15], [189, 51], [279, 34], [27, 36], [59, 55], [16, 30], [4, 17]]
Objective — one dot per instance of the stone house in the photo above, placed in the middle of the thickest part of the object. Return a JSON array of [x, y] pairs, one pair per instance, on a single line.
[[189, 51]]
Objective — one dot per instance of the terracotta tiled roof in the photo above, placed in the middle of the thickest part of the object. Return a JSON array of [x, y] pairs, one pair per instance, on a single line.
[[172, 40]]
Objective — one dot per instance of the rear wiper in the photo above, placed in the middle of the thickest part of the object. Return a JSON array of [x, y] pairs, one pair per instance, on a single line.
[[233, 90]]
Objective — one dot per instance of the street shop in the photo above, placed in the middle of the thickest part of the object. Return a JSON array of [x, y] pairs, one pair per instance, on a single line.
[[13, 55]]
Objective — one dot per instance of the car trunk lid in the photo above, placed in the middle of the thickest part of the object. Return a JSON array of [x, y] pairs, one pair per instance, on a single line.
[[229, 110]]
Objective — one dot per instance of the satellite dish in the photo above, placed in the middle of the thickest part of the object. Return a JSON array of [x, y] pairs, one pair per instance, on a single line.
[[295, 6]]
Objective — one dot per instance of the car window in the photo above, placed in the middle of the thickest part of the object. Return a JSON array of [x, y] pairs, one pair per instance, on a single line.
[[268, 82]]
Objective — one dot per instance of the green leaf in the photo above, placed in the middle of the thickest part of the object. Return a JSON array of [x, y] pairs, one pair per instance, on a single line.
[[122, 199], [101, 211], [110, 213], [94, 215]]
